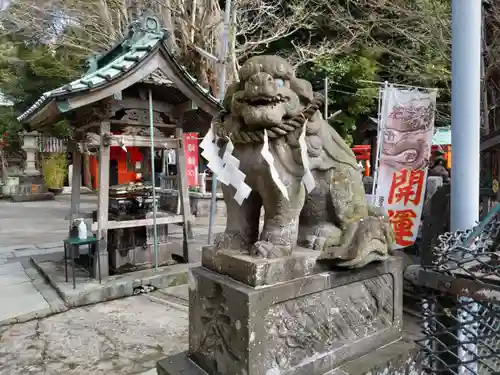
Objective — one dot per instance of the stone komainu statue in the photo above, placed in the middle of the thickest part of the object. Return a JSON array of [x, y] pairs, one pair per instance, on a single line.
[[335, 217]]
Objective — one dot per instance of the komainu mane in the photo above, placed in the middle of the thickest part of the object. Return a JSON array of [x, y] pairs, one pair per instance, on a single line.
[[335, 217]]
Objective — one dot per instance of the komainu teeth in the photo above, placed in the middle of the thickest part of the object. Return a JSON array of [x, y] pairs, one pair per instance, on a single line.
[[267, 99]]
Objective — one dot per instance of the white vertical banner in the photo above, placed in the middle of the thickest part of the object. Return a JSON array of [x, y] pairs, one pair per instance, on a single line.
[[405, 141]]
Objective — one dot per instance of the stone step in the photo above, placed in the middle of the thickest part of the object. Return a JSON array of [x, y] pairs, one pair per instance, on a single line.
[[32, 197], [397, 358], [178, 295], [90, 291]]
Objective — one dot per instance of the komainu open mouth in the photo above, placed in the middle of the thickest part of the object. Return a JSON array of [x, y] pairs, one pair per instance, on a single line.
[[263, 100]]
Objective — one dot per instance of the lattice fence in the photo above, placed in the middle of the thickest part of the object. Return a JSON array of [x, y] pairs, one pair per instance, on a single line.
[[461, 302], [49, 145]]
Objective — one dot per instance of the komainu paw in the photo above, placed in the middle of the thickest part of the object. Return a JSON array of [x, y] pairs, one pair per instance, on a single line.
[[264, 249]]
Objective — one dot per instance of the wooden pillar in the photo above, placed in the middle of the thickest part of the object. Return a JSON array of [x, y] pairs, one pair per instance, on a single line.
[[103, 201], [76, 182], [87, 180], [183, 190]]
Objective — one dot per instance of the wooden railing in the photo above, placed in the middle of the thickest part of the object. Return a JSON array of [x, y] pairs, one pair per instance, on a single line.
[[51, 144]]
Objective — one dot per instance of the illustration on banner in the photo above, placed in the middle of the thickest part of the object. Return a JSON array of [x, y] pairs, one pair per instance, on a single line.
[[407, 126], [407, 134]]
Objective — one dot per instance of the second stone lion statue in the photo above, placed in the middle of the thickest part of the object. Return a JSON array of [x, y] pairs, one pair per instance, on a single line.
[[335, 217]]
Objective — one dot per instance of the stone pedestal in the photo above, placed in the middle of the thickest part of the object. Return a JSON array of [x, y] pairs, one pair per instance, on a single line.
[[286, 316], [31, 186]]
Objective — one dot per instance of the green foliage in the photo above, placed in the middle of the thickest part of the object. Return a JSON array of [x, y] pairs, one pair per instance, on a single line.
[[348, 87], [418, 52], [349, 41], [9, 125], [399, 41], [54, 169], [30, 69]]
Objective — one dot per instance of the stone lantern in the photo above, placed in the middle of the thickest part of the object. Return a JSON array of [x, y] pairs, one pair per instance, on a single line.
[[30, 146]]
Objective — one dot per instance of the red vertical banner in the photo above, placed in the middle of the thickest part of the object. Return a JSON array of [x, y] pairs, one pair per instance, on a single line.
[[191, 152]]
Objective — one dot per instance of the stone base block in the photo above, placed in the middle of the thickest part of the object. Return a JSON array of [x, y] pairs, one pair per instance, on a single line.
[[32, 197], [256, 272], [301, 325], [133, 248], [397, 358], [199, 203], [139, 257], [35, 179]]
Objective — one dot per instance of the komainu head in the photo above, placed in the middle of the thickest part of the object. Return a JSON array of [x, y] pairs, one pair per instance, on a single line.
[[268, 93]]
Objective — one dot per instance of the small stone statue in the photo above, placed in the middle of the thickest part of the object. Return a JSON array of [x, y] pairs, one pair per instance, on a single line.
[[334, 217], [439, 169]]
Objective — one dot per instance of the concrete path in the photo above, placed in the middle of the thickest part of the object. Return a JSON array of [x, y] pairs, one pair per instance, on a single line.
[[38, 228], [43, 222], [19, 292], [42, 225]]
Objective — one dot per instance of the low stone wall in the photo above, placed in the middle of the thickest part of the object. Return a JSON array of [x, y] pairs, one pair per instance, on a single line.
[[27, 189], [200, 203]]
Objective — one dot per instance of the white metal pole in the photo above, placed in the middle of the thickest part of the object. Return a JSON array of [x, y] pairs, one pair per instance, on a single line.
[[465, 142], [326, 98], [466, 116], [381, 123], [222, 92]]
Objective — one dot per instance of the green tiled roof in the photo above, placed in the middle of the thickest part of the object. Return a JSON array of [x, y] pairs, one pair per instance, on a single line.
[[442, 136], [144, 36]]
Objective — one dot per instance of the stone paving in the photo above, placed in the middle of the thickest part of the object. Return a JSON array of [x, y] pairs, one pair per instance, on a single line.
[[31, 226], [39, 334], [29, 223], [25, 294], [17, 286], [37, 229], [124, 336]]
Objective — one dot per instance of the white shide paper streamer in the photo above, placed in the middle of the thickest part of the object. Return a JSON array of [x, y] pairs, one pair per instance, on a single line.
[[122, 144], [211, 154], [226, 168], [234, 175], [308, 178], [268, 157]]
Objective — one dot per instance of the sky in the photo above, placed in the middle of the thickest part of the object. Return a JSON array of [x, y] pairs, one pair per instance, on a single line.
[[3, 4]]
